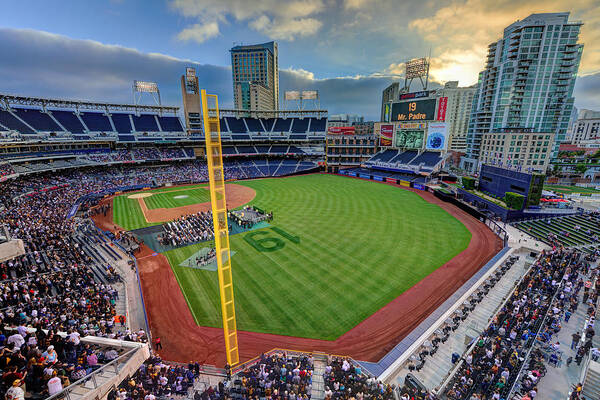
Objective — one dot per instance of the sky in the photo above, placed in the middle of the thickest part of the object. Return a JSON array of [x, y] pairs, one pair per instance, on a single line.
[[348, 50]]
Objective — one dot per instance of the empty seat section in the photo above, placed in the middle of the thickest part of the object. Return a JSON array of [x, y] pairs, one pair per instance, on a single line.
[[279, 149], [229, 150], [428, 158], [318, 124], [126, 138], [145, 123], [268, 123], [9, 121], [385, 156], [240, 137], [300, 125], [96, 122], [282, 125], [223, 126], [171, 124], [69, 120], [295, 150], [37, 119], [246, 149], [236, 125], [405, 157], [262, 149], [122, 123], [254, 125]]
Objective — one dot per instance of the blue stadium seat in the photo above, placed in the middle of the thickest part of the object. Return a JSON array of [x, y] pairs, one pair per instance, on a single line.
[[282, 125], [428, 159], [275, 149], [69, 120], [300, 125], [254, 125], [223, 126], [262, 149], [386, 156], [171, 124], [318, 124], [246, 149], [145, 123], [10, 122], [37, 119], [268, 123], [96, 122], [229, 150], [236, 125], [295, 150], [122, 122], [404, 157], [297, 137], [126, 138]]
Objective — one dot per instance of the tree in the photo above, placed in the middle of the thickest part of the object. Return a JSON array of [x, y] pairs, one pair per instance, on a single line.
[[581, 168]]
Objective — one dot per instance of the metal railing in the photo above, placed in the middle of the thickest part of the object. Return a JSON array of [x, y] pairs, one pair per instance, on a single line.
[[112, 365]]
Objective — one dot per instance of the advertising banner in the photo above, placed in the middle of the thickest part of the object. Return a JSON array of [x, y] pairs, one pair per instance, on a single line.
[[405, 183], [442, 106], [386, 135], [341, 130], [437, 136], [414, 95], [377, 178], [418, 186], [390, 180], [365, 176]]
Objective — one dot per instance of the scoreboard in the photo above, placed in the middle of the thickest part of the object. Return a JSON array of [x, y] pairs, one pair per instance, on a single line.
[[417, 110]]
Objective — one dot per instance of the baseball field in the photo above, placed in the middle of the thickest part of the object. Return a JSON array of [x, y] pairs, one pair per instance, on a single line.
[[337, 250]]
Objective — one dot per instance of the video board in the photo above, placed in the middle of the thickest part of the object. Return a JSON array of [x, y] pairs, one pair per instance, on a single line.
[[418, 110]]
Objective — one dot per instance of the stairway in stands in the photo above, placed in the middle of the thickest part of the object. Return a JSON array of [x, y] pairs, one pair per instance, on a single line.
[[437, 366], [591, 385], [318, 384]]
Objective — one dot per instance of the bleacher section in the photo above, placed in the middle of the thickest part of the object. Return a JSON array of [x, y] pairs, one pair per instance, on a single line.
[[170, 124], [69, 121], [145, 123], [37, 120], [572, 230], [122, 123], [406, 161], [254, 125], [96, 122], [282, 125], [9, 121]]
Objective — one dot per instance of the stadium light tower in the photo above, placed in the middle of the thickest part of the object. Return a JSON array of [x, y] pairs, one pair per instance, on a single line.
[[140, 87], [216, 177]]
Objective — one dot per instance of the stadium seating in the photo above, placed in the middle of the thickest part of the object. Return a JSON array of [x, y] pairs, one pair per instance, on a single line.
[[404, 157], [571, 230], [96, 122], [318, 124], [145, 123], [428, 159], [282, 125], [11, 122], [268, 123], [69, 121], [236, 125], [300, 125], [170, 124], [254, 125], [384, 156], [122, 123], [37, 120]]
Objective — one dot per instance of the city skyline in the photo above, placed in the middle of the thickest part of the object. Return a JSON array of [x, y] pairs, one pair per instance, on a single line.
[[100, 64]]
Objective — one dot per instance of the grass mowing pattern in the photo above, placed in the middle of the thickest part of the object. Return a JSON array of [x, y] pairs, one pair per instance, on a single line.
[[128, 214], [362, 244], [169, 200]]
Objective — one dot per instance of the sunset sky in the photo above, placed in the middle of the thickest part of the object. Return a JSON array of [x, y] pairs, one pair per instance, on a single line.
[[348, 50]]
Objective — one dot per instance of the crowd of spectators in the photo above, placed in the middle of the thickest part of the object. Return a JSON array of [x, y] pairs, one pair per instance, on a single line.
[[491, 368], [6, 169], [188, 229], [344, 380]]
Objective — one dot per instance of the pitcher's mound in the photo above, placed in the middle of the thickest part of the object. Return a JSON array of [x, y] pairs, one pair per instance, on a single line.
[[139, 195]]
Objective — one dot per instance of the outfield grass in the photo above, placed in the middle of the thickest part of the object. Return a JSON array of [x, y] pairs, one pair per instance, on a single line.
[[569, 189], [128, 214], [361, 245]]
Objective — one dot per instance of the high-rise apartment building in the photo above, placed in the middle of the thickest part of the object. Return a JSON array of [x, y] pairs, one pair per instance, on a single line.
[[458, 111], [255, 70], [586, 127], [528, 81]]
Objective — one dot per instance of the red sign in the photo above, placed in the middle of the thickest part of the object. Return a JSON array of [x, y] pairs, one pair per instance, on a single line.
[[341, 130], [442, 105], [387, 133]]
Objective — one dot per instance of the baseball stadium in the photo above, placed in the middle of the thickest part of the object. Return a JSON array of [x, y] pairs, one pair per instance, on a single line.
[[151, 252]]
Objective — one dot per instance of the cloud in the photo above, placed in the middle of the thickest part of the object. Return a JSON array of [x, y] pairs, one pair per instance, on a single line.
[[280, 20], [200, 32], [89, 70], [461, 31]]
